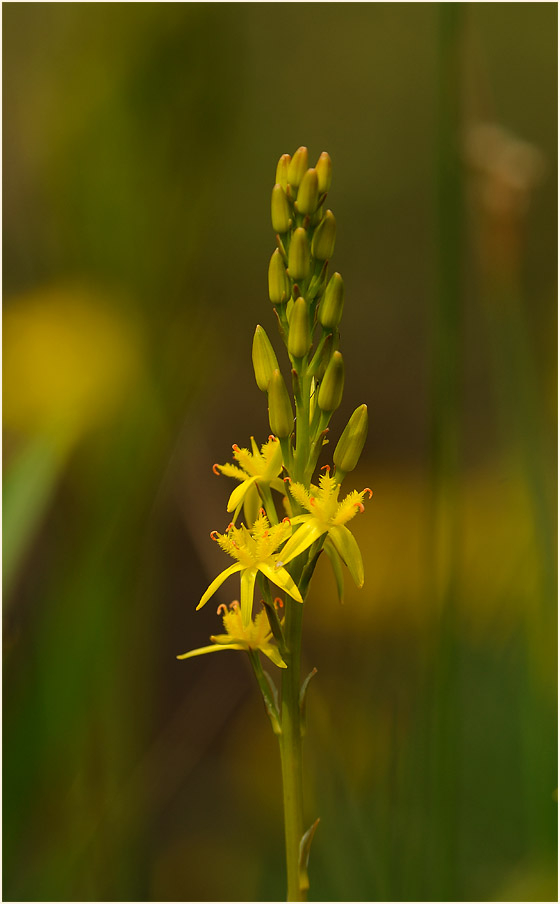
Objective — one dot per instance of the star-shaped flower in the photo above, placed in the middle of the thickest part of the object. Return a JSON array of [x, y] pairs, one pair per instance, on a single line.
[[256, 467], [255, 550], [254, 636], [327, 515]]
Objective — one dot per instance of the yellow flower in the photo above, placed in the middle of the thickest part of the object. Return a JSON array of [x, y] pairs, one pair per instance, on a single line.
[[327, 515], [255, 551], [254, 636], [258, 468]]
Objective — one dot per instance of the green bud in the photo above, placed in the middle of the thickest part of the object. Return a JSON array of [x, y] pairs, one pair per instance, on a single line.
[[264, 359], [324, 172], [280, 412], [299, 337], [282, 171], [330, 309], [298, 166], [298, 255], [308, 194], [278, 283], [280, 210], [350, 445], [332, 385], [322, 246]]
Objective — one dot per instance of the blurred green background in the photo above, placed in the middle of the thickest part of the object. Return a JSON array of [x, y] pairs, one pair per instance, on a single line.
[[140, 145]]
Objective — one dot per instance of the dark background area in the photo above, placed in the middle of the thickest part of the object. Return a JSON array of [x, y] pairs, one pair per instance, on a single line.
[[140, 146]]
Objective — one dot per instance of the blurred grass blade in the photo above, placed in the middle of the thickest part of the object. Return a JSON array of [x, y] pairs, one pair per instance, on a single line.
[[28, 487]]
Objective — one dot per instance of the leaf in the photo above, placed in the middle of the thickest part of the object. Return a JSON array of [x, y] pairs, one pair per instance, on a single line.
[[304, 848]]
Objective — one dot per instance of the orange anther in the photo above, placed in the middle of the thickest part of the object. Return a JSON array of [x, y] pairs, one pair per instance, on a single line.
[[216, 469], [326, 468], [265, 533], [287, 479], [234, 605], [312, 500], [222, 608], [271, 437], [230, 525], [279, 602], [360, 506], [367, 490], [262, 511], [286, 520], [235, 447], [214, 534]]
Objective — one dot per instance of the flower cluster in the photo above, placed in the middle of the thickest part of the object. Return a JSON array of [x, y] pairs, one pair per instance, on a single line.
[[281, 520]]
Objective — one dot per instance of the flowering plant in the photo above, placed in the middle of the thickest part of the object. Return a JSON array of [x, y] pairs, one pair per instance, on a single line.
[[288, 521]]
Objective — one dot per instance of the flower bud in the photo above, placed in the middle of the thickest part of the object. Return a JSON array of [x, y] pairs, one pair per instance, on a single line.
[[308, 194], [278, 283], [280, 210], [264, 359], [332, 303], [298, 166], [280, 413], [324, 172], [298, 255], [322, 246], [299, 337], [282, 171], [350, 445], [332, 385]]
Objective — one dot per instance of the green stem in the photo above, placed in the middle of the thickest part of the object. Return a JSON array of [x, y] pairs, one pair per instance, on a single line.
[[291, 750]]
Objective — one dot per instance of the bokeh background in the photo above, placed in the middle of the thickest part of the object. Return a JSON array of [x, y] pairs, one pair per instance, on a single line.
[[140, 145]]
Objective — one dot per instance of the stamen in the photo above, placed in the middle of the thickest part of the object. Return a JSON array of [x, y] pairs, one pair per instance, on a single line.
[[214, 534], [262, 511], [312, 500], [287, 479], [326, 468], [235, 447], [271, 437], [367, 490], [230, 526], [222, 609], [234, 605], [279, 603], [216, 470], [286, 521], [360, 506]]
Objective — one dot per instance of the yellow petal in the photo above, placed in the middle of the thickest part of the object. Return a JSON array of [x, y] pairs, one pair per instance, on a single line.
[[282, 579], [247, 591], [211, 649], [217, 582], [302, 539], [349, 551], [274, 655], [238, 494]]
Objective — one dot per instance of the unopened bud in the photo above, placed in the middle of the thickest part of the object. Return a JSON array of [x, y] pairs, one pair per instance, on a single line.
[[278, 283], [280, 413], [298, 255], [308, 194], [350, 445], [330, 310], [322, 246], [324, 172], [298, 166], [299, 337], [280, 210], [264, 359], [332, 385], [282, 171]]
